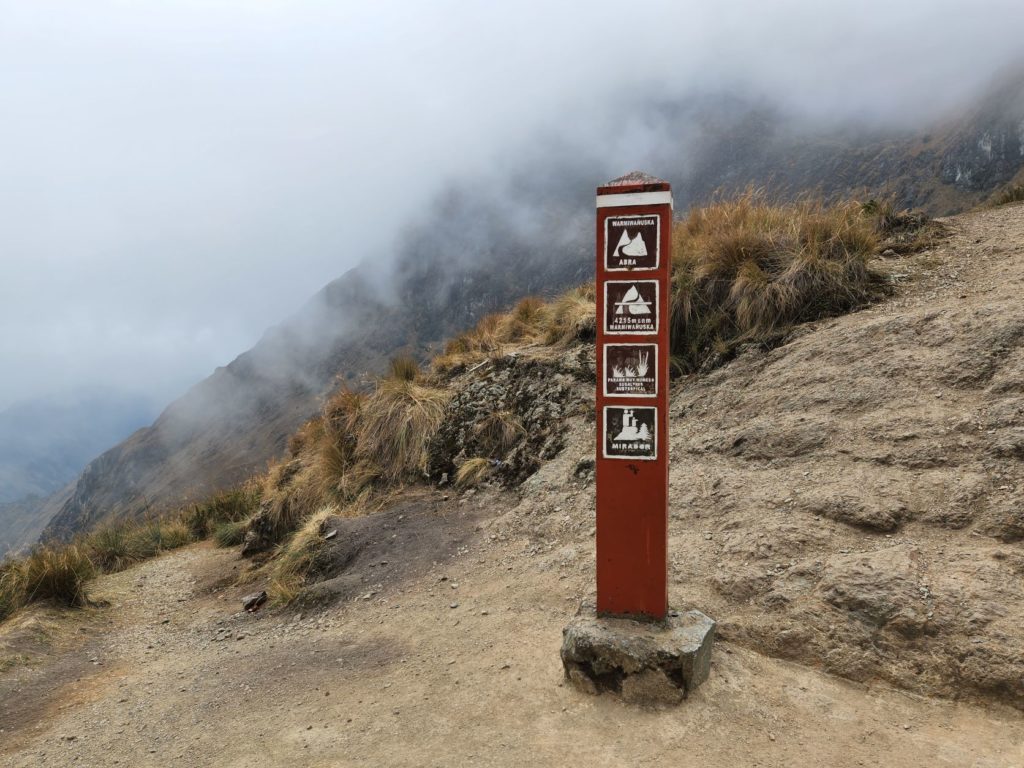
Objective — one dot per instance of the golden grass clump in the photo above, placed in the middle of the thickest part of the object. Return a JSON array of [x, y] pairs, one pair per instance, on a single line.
[[524, 322], [747, 271], [483, 341], [472, 472], [572, 317], [498, 433], [295, 557], [336, 447], [56, 573], [404, 368], [12, 588], [398, 422]]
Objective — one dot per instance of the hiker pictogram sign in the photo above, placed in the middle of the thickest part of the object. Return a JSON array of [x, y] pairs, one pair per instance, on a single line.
[[631, 242], [633, 262]]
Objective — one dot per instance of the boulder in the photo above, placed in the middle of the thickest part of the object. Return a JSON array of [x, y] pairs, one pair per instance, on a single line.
[[651, 664]]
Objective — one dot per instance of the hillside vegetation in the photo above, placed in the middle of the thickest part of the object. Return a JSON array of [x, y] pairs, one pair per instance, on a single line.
[[745, 272], [846, 497], [482, 246]]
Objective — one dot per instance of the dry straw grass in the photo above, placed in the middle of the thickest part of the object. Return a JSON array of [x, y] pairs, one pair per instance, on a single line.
[[1010, 194], [359, 441], [295, 556], [472, 472], [398, 422], [498, 433], [49, 573], [572, 317], [568, 318], [746, 271]]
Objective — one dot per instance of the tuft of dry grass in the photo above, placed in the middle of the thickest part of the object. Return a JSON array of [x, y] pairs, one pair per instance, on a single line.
[[746, 271], [56, 573], [568, 318], [404, 368], [572, 317], [472, 472], [498, 433], [12, 588], [1007, 195], [294, 558], [483, 341], [227, 506], [524, 322], [335, 447], [230, 534], [398, 422]]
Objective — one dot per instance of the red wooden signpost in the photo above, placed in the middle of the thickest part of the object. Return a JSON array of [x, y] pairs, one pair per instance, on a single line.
[[634, 261]]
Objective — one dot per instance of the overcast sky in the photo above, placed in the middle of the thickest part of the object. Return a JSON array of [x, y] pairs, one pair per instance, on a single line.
[[177, 176]]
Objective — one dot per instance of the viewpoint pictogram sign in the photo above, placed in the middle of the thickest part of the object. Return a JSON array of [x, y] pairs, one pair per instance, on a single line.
[[634, 218]]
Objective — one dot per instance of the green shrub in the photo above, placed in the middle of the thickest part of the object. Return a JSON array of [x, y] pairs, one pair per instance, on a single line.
[[111, 547], [230, 534], [227, 506]]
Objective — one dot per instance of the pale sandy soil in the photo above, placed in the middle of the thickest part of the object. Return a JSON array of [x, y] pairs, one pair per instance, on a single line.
[[403, 679]]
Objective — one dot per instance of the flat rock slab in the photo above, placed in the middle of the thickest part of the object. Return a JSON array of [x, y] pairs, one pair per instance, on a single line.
[[652, 664]]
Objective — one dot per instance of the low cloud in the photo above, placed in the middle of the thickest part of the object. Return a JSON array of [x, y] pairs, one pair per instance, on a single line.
[[175, 177]]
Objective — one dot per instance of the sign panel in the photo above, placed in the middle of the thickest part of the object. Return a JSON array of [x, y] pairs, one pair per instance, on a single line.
[[632, 242], [631, 433], [631, 370], [631, 307]]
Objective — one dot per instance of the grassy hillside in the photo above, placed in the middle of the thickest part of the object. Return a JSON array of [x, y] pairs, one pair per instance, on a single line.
[[745, 272]]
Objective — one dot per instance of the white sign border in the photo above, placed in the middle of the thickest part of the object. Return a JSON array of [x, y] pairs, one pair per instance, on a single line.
[[604, 367], [604, 434], [657, 314], [657, 244]]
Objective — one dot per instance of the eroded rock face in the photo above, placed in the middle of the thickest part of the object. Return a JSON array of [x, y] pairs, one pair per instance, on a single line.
[[533, 396], [881, 589], [853, 500]]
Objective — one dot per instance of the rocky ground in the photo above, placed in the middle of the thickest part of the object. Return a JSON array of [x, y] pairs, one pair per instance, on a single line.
[[847, 506]]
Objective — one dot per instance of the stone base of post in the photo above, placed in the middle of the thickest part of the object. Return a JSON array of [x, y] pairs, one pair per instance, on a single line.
[[652, 664]]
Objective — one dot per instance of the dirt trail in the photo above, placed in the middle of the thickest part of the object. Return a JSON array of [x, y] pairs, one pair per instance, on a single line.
[[450, 657], [405, 679]]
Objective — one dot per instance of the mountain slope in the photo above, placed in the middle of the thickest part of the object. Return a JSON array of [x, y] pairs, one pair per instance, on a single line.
[[849, 501], [44, 443], [484, 245]]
